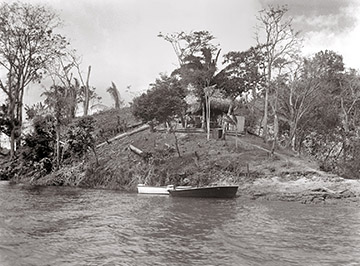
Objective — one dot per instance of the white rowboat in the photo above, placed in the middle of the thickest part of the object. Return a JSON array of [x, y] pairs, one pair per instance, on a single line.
[[144, 189]]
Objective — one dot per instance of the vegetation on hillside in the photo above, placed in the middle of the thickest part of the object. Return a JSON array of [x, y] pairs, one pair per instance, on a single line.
[[307, 104]]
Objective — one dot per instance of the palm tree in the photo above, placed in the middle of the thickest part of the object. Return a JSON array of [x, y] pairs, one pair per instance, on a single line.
[[200, 72]]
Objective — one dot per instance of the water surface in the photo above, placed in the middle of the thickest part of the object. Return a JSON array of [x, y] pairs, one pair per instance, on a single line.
[[71, 226]]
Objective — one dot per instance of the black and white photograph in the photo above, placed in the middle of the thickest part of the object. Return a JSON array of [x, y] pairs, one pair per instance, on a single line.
[[179, 133]]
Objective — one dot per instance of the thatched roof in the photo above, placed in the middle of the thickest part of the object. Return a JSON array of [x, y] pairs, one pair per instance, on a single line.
[[218, 103]]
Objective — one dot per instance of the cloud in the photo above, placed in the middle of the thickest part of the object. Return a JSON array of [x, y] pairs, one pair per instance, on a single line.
[[318, 15], [328, 36], [326, 25], [118, 38]]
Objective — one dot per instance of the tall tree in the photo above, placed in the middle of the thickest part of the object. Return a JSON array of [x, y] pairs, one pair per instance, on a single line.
[[243, 73], [189, 44], [61, 73], [298, 94], [199, 72], [162, 102], [349, 97], [281, 43], [58, 100], [197, 57], [65, 70], [28, 43], [85, 88], [308, 98]]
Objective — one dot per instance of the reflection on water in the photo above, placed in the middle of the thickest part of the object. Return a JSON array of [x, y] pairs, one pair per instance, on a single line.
[[68, 226]]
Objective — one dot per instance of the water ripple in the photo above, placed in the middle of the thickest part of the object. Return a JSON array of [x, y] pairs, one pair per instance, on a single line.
[[66, 226]]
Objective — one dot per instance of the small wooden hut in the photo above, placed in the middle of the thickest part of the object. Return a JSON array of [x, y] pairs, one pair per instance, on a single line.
[[219, 105]]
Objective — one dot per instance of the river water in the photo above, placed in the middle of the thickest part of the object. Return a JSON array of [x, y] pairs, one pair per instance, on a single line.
[[71, 226]]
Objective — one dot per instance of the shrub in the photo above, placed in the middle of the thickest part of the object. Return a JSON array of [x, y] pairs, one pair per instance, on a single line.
[[80, 138]]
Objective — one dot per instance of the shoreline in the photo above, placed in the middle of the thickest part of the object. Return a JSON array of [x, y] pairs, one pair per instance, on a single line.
[[305, 189], [311, 189], [242, 161]]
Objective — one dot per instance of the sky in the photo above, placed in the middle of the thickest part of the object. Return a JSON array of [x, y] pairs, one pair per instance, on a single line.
[[118, 38]]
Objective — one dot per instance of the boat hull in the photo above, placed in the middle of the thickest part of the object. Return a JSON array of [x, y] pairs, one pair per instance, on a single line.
[[206, 192]]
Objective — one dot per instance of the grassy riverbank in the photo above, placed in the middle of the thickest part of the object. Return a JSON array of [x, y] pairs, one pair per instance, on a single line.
[[196, 161], [244, 161]]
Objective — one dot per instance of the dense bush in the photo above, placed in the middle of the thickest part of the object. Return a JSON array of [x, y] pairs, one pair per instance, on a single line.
[[39, 146], [80, 137], [162, 102], [349, 166]]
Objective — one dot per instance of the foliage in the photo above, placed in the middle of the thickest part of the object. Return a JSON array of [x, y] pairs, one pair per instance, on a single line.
[[28, 44], [319, 107], [243, 73], [197, 57], [281, 45], [198, 71], [298, 94], [81, 138], [187, 45], [350, 168], [36, 109], [65, 71], [320, 80], [58, 100], [6, 124], [349, 97], [162, 102], [39, 146], [27, 33]]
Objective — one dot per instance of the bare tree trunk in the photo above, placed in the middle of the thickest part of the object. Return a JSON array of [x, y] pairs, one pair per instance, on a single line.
[[87, 97], [12, 141], [19, 120], [266, 106], [203, 124], [276, 132], [13, 126], [11, 114], [207, 103], [276, 122], [177, 144], [57, 145], [292, 131]]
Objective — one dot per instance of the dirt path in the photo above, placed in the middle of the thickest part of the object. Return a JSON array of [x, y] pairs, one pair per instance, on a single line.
[[295, 161]]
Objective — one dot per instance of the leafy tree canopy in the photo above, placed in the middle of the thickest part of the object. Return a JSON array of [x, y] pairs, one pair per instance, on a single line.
[[162, 102], [41, 142], [243, 72], [28, 43], [81, 137], [190, 44]]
